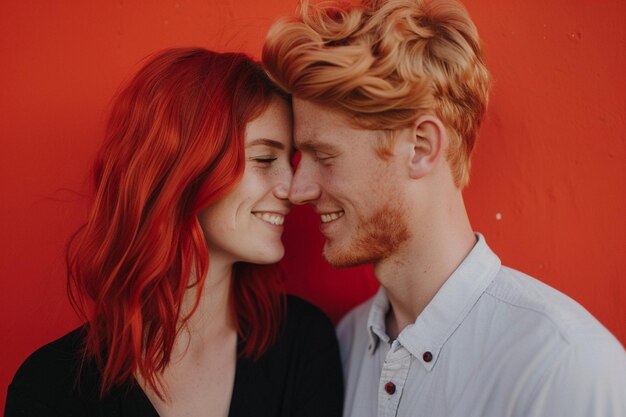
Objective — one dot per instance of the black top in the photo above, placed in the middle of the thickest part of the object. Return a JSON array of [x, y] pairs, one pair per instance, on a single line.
[[298, 376]]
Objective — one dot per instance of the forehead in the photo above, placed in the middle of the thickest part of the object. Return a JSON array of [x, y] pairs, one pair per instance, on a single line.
[[317, 124], [273, 124]]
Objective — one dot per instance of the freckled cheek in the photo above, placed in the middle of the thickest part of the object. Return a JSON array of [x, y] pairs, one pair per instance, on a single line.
[[281, 172], [339, 184], [265, 182], [327, 175]]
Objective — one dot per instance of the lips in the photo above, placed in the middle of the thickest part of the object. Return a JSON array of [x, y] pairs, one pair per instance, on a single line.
[[276, 219], [330, 217]]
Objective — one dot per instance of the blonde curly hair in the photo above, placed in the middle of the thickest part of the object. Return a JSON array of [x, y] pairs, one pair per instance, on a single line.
[[384, 63]]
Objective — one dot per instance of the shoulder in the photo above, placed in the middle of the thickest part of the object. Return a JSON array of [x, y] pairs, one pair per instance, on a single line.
[[354, 321], [541, 330], [304, 317], [299, 308], [307, 336], [301, 374], [352, 331], [48, 378], [55, 362], [583, 379], [307, 332], [529, 300]]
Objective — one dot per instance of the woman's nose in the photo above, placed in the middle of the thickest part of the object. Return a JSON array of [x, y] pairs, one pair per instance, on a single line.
[[281, 191]]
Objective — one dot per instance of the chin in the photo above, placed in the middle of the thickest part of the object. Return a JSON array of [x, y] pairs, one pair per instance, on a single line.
[[268, 256], [375, 239], [349, 257]]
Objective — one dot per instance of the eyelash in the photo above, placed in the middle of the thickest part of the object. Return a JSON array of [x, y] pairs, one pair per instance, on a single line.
[[265, 160]]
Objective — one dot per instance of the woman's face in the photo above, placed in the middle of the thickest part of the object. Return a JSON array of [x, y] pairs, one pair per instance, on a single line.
[[247, 224]]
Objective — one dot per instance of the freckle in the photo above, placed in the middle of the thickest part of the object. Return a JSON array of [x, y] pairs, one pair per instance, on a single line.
[[498, 216]]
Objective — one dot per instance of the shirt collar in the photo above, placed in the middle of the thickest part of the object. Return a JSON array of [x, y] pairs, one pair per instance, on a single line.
[[376, 320], [445, 312]]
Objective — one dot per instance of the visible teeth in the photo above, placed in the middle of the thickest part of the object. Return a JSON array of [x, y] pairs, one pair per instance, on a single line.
[[327, 218], [271, 218]]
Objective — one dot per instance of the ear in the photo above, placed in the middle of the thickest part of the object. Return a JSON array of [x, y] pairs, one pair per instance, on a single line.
[[429, 140]]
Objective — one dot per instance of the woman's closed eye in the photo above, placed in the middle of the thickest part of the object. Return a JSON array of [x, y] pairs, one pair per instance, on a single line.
[[265, 160]]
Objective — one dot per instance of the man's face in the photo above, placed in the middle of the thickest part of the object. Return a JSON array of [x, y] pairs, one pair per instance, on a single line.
[[353, 190]]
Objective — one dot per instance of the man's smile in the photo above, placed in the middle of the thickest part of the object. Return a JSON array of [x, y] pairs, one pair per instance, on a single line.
[[329, 217]]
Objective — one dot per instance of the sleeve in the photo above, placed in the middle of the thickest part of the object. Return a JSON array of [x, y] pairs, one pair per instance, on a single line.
[[587, 380], [320, 385]]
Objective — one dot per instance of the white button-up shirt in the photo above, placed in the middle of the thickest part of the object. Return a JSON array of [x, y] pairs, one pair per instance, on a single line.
[[493, 342]]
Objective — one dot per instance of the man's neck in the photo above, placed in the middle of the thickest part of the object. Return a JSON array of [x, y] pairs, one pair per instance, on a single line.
[[413, 275]]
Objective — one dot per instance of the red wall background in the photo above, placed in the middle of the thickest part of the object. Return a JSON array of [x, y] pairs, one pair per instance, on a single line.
[[548, 184]]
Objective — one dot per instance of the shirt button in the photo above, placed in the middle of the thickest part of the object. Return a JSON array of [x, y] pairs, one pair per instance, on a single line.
[[390, 388], [427, 356]]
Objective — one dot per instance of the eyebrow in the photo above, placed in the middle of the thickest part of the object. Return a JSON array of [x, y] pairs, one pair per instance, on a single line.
[[312, 145], [267, 142]]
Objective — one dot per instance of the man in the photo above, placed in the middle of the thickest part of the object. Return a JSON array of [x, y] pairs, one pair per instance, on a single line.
[[388, 97]]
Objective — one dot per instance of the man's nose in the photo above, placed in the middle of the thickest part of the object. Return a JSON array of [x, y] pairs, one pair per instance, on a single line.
[[303, 188]]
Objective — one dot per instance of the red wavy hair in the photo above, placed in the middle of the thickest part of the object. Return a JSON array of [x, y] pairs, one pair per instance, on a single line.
[[174, 144]]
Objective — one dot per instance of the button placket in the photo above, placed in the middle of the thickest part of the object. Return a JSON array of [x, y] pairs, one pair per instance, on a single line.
[[392, 380]]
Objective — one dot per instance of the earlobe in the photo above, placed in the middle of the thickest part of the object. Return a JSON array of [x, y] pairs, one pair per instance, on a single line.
[[429, 139]]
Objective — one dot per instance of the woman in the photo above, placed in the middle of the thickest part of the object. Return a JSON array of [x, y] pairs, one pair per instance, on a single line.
[[182, 319]]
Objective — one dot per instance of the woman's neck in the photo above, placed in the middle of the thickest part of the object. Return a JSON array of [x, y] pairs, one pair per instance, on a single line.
[[213, 316]]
